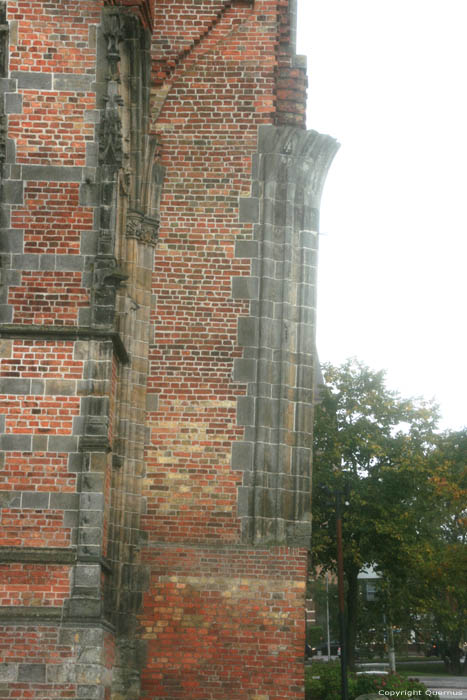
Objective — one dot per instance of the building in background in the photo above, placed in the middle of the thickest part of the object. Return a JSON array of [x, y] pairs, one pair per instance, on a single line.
[[159, 218]]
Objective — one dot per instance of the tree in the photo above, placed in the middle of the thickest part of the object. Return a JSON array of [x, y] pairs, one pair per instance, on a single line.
[[375, 444], [440, 585]]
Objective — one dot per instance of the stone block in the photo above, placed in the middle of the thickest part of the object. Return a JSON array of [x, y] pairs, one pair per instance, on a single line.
[[248, 210], [6, 347], [92, 482], [60, 387], [15, 385], [69, 263], [245, 287], [13, 103], [244, 370], [64, 501], [245, 410], [72, 82], [82, 636], [91, 692], [61, 673], [246, 249], [12, 192], [248, 331], [242, 455], [152, 402], [28, 261], [31, 673], [6, 313], [8, 672], [39, 443], [32, 80], [52, 173], [11, 241], [10, 499], [37, 500], [37, 387], [91, 501], [63, 443], [16, 443]]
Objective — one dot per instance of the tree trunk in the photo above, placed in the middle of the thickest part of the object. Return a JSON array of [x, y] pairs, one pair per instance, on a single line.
[[352, 614]]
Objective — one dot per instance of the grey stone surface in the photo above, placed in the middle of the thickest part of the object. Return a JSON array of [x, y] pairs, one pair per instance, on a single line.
[[10, 499], [91, 501], [87, 575], [242, 455], [246, 249], [64, 501], [244, 370], [60, 387], [92, 481], [31, 673], [246, 410], [8, 672], [245, 287], [26, 261], [16, 443], [69, 263], [35, 500], [15, 385], [12, 192], [52, 173], [32, 80], [37, 387], [278, 336], [248, 209], [11, 240], [6, 313], [39, 443], [61, 673], [13, 103], [152, 402], [62, 443], [72, 82], [248, 331]]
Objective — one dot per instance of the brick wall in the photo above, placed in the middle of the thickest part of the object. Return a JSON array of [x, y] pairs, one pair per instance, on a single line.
[[158, 224], [220, 618], [224, 623]]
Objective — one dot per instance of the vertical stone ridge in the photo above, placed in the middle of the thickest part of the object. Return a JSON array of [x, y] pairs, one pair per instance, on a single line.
[[288, 176]]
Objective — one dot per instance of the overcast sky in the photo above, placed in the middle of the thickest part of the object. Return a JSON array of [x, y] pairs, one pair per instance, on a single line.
[[388, 80]]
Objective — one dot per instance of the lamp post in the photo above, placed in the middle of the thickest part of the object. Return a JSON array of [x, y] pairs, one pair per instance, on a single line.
[[340, 588]]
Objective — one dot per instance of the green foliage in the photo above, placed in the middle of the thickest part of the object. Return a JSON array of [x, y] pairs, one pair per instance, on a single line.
[[376, 445], [369, 439], [315, 635], [323, 682]]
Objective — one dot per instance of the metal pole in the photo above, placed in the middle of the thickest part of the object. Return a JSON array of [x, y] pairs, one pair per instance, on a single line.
[[391, 651], [327, 617], [340, 583]]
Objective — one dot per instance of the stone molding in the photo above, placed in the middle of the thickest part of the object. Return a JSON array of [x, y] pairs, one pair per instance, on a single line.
[[67, 333]]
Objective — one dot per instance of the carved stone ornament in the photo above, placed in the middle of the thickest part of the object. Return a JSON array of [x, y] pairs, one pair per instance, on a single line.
[[142, 228], [110, 130], [110, 136]]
